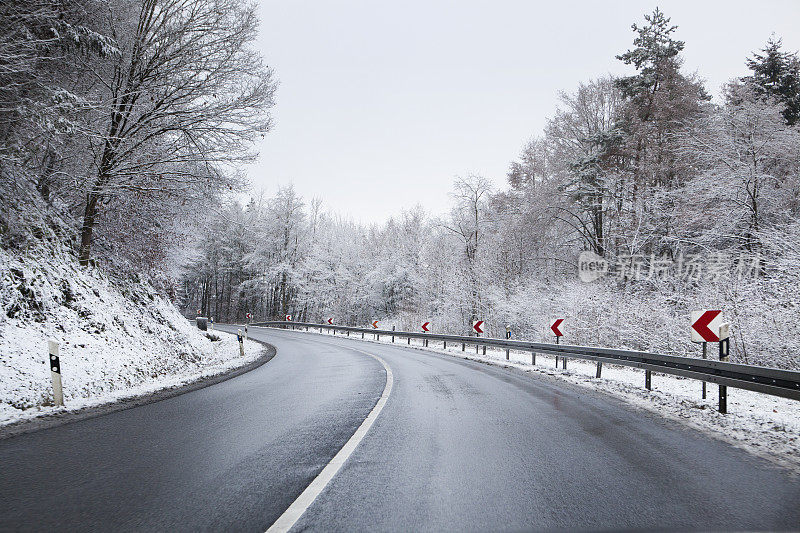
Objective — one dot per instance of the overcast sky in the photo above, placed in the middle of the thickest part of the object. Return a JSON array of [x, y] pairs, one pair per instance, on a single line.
[[382, 104]]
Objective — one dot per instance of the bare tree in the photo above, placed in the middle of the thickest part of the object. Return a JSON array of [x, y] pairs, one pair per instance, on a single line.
[[749, 161], [467, 217], [179, 106]]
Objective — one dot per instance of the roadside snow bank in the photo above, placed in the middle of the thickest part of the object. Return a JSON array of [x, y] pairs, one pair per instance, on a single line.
[[116, 340]]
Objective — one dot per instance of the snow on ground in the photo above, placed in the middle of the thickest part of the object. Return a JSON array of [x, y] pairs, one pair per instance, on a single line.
[[764, 425], [117, 339]]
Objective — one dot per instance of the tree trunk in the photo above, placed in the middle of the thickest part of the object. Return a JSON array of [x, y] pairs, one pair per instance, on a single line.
[[87, 228]]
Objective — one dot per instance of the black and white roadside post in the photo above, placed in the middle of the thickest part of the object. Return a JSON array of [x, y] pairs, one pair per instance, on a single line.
[[241, 342], [724, 351], [392, 333], [245, 332], [508, 336], [705, 326], [55, 372]]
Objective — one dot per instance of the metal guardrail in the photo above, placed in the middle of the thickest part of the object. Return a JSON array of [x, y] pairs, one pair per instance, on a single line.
[[773, 381]]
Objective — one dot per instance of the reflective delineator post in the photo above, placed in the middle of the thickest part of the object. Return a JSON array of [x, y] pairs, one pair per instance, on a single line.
[[241, 342], [245, 332], [557, 356], [724, 349], [55, 372]]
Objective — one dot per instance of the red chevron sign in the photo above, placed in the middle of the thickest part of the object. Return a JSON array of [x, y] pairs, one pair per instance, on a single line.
[[425, 326], [330, 321], [375, 324], [555, 325], [288, 318], [477, 326], [705, 325]]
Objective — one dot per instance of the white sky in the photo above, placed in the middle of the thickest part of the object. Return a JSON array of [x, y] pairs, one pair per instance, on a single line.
[[381, 104]]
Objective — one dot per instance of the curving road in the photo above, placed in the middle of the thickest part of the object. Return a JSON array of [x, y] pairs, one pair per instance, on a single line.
[[459, 446]]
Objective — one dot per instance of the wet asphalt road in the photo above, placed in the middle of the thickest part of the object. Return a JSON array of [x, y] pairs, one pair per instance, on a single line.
[[459, 446]]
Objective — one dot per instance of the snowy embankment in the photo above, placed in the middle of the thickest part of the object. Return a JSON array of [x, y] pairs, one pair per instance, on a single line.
[[117, 340], [764, 425]]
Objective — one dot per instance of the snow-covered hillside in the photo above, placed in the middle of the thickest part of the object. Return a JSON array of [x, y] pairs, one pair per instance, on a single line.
[[116, 338]]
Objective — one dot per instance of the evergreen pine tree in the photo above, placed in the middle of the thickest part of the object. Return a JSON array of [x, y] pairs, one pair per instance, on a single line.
[[777, 74]]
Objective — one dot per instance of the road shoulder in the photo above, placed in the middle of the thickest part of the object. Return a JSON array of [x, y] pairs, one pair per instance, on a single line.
[[61, 417]]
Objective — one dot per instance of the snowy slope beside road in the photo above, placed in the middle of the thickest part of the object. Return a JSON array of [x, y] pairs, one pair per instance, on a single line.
[[116, 340]]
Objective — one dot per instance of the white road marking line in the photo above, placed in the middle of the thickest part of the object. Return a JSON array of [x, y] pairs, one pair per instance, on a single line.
[[291, 515]]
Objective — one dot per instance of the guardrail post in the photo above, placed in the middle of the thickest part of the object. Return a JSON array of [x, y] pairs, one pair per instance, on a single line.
[[564, 362], [377, 336], [557, 356], [724, 346], [463, 346], [599, 369], [409, 341], [55, 372], [445, 345], [533, 358], [704, 383], [647, 380], [507, 350], [484, 349]]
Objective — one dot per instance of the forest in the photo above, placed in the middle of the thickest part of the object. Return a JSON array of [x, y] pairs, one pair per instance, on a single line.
[[119, 120], [126, 128], [687, 204]]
